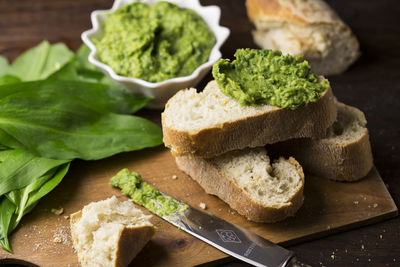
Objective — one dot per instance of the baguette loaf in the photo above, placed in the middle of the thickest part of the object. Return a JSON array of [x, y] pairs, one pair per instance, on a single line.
[[210, 123], [310, 28], [245, 179], [343, 155], [109, 233]]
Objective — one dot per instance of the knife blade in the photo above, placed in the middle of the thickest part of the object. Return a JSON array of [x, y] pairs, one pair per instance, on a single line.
[[227, 237], [230, 238]]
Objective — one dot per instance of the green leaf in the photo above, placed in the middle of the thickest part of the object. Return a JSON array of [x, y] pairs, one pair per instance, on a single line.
[[45, 188], [40, 61], [7, 141], [19, 202], [7, 209], [3, 66], [39, 188], [35, 116], [83, 56], [9, 79], [19, 166], [99, 97]]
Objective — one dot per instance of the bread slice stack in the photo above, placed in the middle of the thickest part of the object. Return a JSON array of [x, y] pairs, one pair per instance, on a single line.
[[220, 145]]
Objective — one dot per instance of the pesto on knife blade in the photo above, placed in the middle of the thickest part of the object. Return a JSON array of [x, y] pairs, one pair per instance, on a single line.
[[258, 77], [154, 42], [146, 195]]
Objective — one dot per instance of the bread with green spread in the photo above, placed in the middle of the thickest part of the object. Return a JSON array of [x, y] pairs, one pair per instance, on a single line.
[[310, 28], [109, 233], [343, 155], [249, 183], [209, 123]]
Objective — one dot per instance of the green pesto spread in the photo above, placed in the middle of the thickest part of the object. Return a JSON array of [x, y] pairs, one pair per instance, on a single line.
[[258, 77], [154, 42], [146, 195]]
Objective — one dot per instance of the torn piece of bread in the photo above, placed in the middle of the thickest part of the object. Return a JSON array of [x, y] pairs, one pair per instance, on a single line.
[[210, 123], [109, 233], [249, 184], [343, 155], [308, 27]]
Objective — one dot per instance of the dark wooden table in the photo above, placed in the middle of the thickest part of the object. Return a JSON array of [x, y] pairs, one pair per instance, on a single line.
[[371, 84]]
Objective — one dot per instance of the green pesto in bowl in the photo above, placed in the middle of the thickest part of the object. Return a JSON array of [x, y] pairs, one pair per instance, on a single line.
[[266, 77], [154, 42]]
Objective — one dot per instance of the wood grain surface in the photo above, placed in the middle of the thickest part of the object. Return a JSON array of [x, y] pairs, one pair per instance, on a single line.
[[371, 84], [44, 237]]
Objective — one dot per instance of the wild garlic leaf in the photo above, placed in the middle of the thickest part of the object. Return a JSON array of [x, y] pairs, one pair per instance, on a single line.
[[46, 187], [9, 79], [83, 56], [97, 96], [7, 141], [38, 188], [19, 167], [40, 61], [3, 66], [67, 120], [7, 209]]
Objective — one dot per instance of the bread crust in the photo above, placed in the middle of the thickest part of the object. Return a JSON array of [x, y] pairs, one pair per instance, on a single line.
[[131, 240], [349, 162], [315, 15], [301, 12], [273, 126], [216, 183]]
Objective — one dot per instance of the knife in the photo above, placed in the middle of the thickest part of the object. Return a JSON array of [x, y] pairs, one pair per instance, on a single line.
[[230, 238]]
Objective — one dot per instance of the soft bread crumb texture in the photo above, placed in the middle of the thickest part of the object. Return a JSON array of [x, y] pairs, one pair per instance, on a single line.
[[191, 111], [310, 28], [349, 126], [98, 230], [272, 185]]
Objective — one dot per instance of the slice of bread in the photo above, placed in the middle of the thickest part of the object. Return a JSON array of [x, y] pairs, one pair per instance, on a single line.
[[245, 179], [310, 28], [109, 233], [343, 155], [209, 123]]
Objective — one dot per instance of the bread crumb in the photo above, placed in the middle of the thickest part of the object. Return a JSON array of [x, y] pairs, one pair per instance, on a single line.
[[58, 211], [66, 217], [375, 205], [355, 202], [57, 239], [203, 205], [36, 247], [380, 236], [362, 246], [333, 257], [174, 177]]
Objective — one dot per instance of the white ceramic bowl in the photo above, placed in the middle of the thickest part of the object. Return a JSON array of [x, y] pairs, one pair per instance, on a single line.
[[160, 91]]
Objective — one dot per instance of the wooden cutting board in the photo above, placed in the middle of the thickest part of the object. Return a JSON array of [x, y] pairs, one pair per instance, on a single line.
[[43, 238]]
